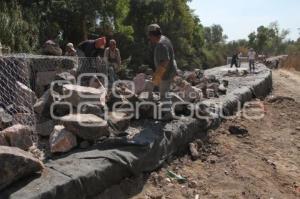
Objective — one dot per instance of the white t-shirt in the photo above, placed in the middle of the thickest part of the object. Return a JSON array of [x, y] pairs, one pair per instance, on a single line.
[[251, 55]]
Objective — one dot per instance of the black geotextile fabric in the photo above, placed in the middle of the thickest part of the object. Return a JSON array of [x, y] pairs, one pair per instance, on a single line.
[[83, 174]]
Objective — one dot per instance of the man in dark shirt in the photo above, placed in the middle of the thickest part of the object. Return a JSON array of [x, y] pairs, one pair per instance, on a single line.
[[164, 60], [93, 48], [234, 60]]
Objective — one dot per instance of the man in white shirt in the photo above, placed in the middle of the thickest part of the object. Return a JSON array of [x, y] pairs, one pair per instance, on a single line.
[[251, 57]]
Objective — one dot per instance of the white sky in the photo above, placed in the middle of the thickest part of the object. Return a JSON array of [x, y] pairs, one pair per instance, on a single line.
[[240, 17]]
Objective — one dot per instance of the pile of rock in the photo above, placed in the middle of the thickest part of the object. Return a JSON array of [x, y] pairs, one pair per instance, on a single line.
[[15, 160], [70, 115]]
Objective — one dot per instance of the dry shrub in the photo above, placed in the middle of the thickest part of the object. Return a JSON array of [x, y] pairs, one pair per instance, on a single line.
[[292, 62]]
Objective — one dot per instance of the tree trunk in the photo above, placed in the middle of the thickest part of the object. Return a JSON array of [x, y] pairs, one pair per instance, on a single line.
[[84, 29]]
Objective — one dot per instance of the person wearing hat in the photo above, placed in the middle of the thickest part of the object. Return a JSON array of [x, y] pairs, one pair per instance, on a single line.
[[93, 48], [112, 59], [251, 57], [165, 66], [70, 50]]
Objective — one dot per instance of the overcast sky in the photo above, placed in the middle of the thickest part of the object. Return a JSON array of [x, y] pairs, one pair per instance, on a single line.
[[240, 17]]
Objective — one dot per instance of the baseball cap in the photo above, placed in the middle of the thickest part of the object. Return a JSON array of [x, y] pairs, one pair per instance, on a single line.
[[153, 27]]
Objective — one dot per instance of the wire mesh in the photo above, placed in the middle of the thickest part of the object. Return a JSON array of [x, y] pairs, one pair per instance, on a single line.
[[16, 97]]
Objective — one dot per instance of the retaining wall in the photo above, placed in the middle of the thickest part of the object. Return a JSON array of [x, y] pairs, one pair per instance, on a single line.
[[83, 174]]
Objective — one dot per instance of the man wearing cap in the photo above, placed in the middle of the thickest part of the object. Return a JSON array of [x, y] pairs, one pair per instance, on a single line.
[[70, 50], [165, 66]]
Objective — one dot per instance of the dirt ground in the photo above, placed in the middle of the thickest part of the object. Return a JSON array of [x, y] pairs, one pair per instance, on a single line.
[[261, 163]]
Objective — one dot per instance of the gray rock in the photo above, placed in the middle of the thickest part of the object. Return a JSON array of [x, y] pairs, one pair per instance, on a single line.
[[86, 126], [16, 164], [62, 79], [43, 104], [92, 109], [19, 136], [51, 49], [26, 92], [84, 144], [43, 80], [79, 94], [119, 120], [61, 140], [5, 119], [3, 141], [45, 128]]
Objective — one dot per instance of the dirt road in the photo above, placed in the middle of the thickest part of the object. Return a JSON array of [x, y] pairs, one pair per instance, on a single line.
[[262, 163]]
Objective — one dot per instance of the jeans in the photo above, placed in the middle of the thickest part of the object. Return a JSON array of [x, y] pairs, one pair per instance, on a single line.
[[252, 65]]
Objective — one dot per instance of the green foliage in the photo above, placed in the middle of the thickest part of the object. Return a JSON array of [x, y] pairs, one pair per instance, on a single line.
[[269, 40], [27, 24], [18, 29]]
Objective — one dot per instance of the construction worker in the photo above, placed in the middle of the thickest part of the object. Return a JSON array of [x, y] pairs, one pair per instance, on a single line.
[[165, 67], [93, 48], [112, 59], [251, 57], [70, 50], [234, 60]]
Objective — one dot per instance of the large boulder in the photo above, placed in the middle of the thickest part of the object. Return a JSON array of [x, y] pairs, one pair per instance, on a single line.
[[86, 126], [61, 140], [119, 120], [51, 48], [26, 93], [43, 80], [79, 94], [16, 164], [19, 136]]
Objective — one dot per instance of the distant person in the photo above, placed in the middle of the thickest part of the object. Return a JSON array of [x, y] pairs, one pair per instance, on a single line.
[[251, 57], [240, 55], [93, 48], [112, 59], [234, 60], [70, 50]]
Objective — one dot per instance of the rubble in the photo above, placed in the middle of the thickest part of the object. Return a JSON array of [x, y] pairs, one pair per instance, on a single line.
[[62, 140], [19, 136], [86, 126], [16, 164]]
